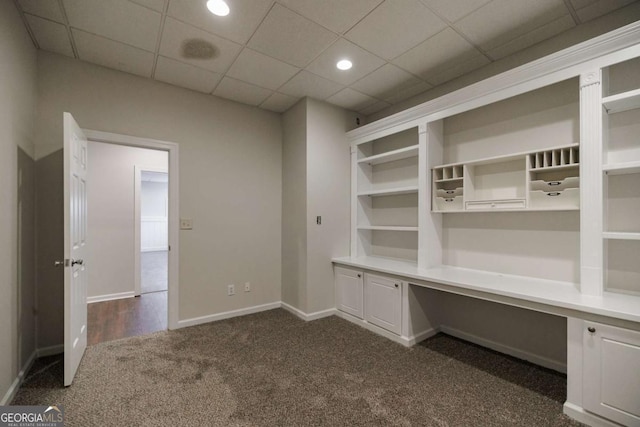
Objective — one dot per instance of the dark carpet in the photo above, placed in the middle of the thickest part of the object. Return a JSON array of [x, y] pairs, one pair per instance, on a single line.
[[153, 271], [272, 369]]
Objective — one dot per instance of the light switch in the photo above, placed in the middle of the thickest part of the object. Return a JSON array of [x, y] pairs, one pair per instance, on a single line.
[[186, 224]]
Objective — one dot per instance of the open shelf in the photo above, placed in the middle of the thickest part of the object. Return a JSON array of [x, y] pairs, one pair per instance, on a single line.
[[621, 168], [391, 156], [622, 101], [390, 191], [386, 228], [619, 235]]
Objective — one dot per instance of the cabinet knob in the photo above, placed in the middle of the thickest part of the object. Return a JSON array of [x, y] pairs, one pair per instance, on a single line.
[[591, 329], [359, 275], [397, 286]]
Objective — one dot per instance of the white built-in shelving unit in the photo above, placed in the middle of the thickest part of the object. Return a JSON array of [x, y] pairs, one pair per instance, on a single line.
[[541, 166], [621, 180]]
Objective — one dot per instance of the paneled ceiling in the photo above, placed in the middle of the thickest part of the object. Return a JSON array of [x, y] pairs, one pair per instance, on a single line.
[[270, 53]]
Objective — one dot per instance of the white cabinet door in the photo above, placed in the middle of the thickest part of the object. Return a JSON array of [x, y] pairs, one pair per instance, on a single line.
[[349, 291], [611, 376], [383, 302]]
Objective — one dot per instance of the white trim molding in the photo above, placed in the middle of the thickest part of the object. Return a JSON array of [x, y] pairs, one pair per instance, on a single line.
[[17, 382], [536, 359], [110, 297], [310, 316], [579, 414], [228, 314], [174, 207]]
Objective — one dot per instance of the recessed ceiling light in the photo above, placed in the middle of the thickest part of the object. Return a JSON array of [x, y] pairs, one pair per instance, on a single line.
[[218, 7], [344, 64]]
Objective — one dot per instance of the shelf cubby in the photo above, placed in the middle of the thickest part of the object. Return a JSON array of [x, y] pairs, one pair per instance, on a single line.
[[622, 203], [539, 180], [622, 269]]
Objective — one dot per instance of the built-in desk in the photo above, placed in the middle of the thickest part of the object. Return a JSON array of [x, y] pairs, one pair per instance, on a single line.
[[554, 297]]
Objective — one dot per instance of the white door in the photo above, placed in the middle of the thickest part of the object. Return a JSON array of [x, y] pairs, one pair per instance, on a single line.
[[75, 247], [611, 376], [383, 302], [349, 291]]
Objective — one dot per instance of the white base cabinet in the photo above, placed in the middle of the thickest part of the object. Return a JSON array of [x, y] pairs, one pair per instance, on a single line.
[[349, 291], [611, 373], [383, 302]]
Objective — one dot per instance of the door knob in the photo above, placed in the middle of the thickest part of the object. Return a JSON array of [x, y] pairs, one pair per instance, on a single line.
[[77, 261]]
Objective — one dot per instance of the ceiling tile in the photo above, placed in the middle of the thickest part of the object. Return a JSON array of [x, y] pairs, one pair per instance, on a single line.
[[289, 37], [157, 5], [43, 9], [242, 92], [454, 10], [108, 53], [458, 69], [374, 108], [443, 51], [308, 84], [279, 102], [599, 8], [176, 34], [390, 82], [508, 19], [363, 62], [351, 99], [242, 21], [579, 4], [50, 35], [118, 20], [326, 13], [532, 37], [185, 75], [395, 26], [265, 71]]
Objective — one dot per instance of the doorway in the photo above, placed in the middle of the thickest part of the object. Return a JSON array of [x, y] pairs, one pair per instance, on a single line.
[[134, 257]]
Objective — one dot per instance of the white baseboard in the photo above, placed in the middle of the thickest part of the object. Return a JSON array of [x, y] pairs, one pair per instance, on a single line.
[[110, 297], [405, 341], [50, 351], [155, 249], [228, 314], [421, 336], [502, 348], [17, 382], [308, 317], [579, 414]]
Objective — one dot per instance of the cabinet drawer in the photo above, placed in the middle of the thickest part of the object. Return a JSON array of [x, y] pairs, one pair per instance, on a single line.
[[496, 204], [448, 203], [569, 198]]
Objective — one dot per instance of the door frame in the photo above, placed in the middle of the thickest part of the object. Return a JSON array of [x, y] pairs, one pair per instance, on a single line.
[[137, 221], [174, 207]]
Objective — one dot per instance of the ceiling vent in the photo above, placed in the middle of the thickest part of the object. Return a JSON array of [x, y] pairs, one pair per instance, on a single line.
[[198, 49]]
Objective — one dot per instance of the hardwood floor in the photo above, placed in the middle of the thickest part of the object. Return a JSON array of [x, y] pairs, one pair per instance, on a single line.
[[111, 320]]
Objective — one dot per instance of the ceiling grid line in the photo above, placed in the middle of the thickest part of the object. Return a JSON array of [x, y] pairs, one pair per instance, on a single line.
[[156, 54]]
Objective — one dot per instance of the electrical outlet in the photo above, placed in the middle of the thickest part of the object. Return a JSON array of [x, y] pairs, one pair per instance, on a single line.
[[247, 287], [186, 224], [231, 290]]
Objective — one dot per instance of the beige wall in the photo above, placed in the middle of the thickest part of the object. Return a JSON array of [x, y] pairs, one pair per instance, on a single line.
[[589, 30], [110, 230], [294, 206], [17, 104], [230, 174], [328, 195], [316, 175]]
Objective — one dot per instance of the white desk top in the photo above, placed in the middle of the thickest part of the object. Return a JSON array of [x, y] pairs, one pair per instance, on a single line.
[[494, 286]]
